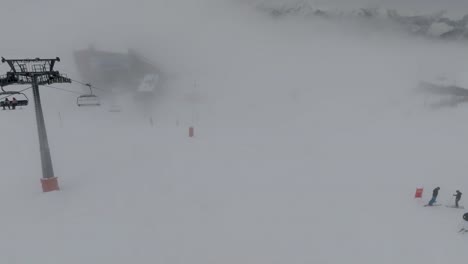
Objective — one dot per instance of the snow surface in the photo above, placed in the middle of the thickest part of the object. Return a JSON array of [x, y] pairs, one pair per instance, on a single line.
[[309, 145]]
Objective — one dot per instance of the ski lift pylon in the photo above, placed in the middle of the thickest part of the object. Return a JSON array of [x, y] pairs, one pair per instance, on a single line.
[[88, 99]]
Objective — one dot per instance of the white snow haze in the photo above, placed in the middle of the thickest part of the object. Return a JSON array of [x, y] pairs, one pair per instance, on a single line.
[[310, 139]]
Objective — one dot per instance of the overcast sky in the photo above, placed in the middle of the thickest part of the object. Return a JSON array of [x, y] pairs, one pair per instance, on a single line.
[[56, 27]]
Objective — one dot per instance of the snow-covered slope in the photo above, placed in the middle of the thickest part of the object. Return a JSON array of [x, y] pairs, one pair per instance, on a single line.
[[309, 144]]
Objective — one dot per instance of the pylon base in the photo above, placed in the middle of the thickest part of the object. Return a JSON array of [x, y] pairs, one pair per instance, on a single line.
[[50, 184], [191, 132]]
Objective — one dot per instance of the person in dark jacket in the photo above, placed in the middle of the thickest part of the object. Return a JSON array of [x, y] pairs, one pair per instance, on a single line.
[[464, 229], [6, 103], [457, 195], [435, 192], [14, 103]]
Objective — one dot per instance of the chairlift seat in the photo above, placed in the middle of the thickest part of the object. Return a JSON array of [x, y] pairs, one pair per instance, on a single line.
[[88, 100], [115, 108], [19, 103]]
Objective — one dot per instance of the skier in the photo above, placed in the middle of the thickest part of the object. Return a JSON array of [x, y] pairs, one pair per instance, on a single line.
[[464, 229], [457, 195], [435, 192]]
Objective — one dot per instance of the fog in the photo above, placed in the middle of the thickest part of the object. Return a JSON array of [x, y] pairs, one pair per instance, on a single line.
[[168, 31], [410, 7], [309, 139]]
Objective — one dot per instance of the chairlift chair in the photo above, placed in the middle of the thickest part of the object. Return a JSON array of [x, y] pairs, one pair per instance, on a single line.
[[88, 99], [115, 108], [19, 102]]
